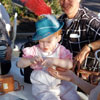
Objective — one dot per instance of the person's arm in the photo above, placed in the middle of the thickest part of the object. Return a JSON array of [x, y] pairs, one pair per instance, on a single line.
[[64, 63], [84, 85], [80, 57], [98, 98], [68, 75], [94, 45], [23, 63]]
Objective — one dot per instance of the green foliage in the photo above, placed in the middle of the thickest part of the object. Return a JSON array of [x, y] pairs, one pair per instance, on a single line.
[[12, 8], [23, 11], [55, 6], [8, 5]]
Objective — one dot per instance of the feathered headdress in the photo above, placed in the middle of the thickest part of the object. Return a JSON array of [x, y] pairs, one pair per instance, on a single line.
[[40, 8]]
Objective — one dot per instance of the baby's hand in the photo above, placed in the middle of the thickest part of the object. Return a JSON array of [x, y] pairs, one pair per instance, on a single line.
[[36, 60], [48, 62]]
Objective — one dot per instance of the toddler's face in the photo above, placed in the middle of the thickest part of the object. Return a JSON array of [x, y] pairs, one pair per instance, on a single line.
[[49, 43]]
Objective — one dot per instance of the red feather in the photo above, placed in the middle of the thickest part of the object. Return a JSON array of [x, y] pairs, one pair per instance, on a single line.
[[39, 7], [23, 1]]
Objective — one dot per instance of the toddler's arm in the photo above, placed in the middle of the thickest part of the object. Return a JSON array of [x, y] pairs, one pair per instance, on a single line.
[[29, 58], [23, 62], [64, 63]]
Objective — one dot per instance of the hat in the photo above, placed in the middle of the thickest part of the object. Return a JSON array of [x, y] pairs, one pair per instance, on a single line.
[[46, 27]]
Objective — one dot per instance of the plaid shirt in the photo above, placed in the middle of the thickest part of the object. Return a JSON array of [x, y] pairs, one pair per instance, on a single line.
[[85, 25]]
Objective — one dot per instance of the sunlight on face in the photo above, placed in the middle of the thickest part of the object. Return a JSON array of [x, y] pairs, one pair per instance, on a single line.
[[49, 43], [69, 6]]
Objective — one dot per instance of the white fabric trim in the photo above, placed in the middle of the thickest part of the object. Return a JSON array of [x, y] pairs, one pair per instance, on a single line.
[[46, 28]]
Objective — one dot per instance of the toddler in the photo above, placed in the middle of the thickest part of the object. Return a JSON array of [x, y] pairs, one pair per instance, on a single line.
[[48, 53]]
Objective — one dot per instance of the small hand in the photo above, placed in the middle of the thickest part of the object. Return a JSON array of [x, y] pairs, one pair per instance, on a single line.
[[48, 62], [36, 60]]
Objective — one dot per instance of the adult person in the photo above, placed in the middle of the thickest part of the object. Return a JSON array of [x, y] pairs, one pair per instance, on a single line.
[[68, 75], [84, 54], [81, 27], [86, 50], [4, 41]]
